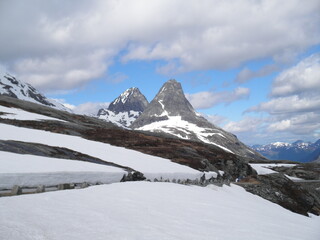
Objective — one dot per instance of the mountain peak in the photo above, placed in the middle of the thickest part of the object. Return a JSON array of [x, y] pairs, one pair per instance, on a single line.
[[130, 100], [170, 101], [126, 94], [126, 108]]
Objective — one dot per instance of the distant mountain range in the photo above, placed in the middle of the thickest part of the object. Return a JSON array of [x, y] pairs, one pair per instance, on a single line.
[[298, 151]]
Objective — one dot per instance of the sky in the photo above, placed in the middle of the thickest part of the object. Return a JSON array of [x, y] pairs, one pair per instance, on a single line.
[[251, 67]]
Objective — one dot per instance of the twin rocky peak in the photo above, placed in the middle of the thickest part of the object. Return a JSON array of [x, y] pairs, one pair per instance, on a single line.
[[132, 109], [170, 114]]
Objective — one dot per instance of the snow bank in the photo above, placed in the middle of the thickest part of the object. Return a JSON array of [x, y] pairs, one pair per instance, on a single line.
[[29, 170], [151, 166], [142, 210], [263, 168], [18, 114]]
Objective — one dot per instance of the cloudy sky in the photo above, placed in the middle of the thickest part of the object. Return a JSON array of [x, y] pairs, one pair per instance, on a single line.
[[250, 66]]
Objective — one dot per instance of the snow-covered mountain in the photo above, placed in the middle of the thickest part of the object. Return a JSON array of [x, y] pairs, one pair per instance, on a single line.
[[297, 151], [125, 109], [171, 113], [13, 87]]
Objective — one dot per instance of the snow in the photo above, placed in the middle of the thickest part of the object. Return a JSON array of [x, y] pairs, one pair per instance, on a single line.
[[263, 168], [124, 96], [151, 166], [164, 113], [142, 210], [280, 144], [29, 170], [175, 122], [121, 119], [18, 114], [294, 179]]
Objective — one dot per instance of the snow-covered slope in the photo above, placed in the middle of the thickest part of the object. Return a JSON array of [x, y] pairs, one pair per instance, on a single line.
[[151, 166], [30, 170], [19, 114], [13, 87], [125, 109], [170, 112], [120, 119], [143, 210]]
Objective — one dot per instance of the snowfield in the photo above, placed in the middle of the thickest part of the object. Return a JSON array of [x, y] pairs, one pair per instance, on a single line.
[[143, 210], [151, 166], [264, 168], [121, 119], [29, 170], [175, 122], [18, 114]]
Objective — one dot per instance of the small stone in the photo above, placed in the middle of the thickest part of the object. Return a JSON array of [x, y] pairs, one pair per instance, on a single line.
[[40, 189], [16, 190]]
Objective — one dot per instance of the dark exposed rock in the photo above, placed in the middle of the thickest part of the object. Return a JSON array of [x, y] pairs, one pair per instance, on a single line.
[[16, 190], [65, 186], [279, 189], [130, 100], [133, 176], [307, 171]]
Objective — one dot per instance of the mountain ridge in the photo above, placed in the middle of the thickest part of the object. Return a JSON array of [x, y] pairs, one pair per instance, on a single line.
[[14, 87], [297, 151]]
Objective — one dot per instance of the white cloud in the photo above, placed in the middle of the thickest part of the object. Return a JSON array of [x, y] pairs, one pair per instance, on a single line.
[[90, 108], [289, 105], [117, 77], [247, 124], [305, 76], [202, 100], [61, 72], [207, 34], [294, 107], [306, 124], [246, 74], [215, 119]]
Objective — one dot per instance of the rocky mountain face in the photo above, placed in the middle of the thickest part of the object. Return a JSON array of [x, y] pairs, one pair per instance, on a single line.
[[298, 151], [125, 109], [171, 113], [13, 87]]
